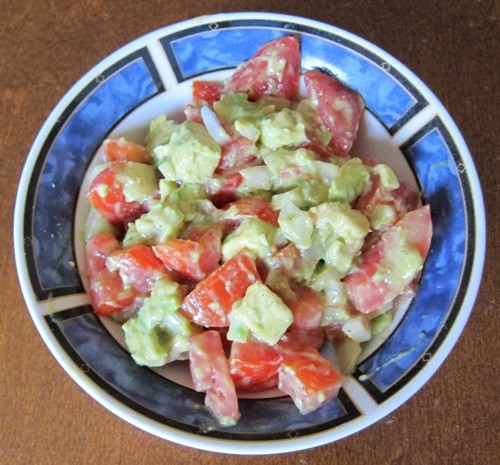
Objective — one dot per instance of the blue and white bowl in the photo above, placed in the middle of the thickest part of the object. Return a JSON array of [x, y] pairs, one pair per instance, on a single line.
[[405, 125]]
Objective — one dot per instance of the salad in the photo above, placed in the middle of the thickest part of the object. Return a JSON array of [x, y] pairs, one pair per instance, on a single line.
[[245, 237]]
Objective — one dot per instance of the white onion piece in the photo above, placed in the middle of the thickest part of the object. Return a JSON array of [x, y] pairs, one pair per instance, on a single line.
[[213, 126]]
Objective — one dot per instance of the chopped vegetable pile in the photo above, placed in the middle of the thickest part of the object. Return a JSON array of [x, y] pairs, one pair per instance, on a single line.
[[245, 237]]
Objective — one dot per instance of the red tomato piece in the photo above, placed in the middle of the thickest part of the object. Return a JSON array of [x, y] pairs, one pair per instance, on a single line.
[[223, 188], [210, 239], [211, 300], [237, 211], [254, 365], [210, 372], [307, 309], [181, 256], [372, 284], [273, 70], [97, 249], [108, 294], [195, 257], [125, 150], [138, 266], [207, 91], [309, 379], [238, 152], [298, 340], [401, 201], [339, 108], [107, 197]]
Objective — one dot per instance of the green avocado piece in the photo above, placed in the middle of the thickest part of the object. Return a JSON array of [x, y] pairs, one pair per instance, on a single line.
[[160, 333], [262, 312], [191, 155]]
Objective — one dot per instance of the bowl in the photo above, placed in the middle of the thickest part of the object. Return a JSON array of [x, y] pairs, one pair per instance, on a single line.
[[405, 125]]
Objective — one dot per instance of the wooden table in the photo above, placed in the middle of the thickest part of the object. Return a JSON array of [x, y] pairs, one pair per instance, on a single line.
[[47, 45]]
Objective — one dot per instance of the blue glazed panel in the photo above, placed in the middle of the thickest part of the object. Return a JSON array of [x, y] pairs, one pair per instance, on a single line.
[[94, 114], [152, 395], [385, 97], [219, 49], [438, 175]]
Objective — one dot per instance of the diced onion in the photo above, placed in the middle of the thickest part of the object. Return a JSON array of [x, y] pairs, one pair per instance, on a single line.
[[213, 125]]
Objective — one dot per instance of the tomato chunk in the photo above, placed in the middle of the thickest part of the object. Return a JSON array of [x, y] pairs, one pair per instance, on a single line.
[[207, 91], [395, 202], [108, 294], [307, 309], [125, 150], [237, 211], [223, 188], [254, 365], [238, 152], [211, 300], [273, 70], [309, 379], [339, 108], [210, 371], [195, 257], [97, 250], [138, 266], [106, 194], [386, 269]]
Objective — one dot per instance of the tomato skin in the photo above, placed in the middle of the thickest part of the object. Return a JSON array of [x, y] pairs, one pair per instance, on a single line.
[[257, 76], [210, 372], [195, 257], [138, 266], [254, 365], [107, 197], [400, 200], [207, 91], [242, 209], [339, 108], [368, 291], [124, 150], [108, 294], [309, 379], [211, 300], [307, 309], [237, 153], [97, 250], [223, 188]]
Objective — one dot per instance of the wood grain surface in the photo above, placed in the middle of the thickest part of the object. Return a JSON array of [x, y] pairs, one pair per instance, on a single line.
[[45, 46]]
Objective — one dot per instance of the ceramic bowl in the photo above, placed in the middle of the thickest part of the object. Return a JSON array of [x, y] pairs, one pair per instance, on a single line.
[[404, 125]]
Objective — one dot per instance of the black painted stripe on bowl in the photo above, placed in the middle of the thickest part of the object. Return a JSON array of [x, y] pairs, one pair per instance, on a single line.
[[56, 324], [41, 292], [420, 101], [379, 395]]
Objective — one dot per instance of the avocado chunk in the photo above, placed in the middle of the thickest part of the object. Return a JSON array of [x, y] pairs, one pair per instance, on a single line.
[[350, 182], [161, 223], [191, 155], [285, 128], [138, 180], [296, 225], [262, 312], [256, 236], [160, 333], [340, 231], [236, 107], [160, 132]]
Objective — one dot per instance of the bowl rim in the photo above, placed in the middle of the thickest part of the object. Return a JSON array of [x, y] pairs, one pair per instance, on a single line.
[[237, 446]]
